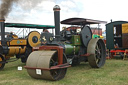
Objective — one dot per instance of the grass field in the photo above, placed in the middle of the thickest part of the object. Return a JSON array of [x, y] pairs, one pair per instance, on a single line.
[[115, 72]]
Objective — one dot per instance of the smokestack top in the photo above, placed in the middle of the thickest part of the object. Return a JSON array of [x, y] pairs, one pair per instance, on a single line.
[[2, 20], [56, 8]]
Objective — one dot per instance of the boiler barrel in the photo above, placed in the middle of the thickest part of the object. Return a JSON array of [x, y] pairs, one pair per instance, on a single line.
[[70, 50], [14, 50]]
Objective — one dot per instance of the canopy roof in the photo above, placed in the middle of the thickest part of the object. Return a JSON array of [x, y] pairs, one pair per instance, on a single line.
[[81, 21], [21, 25]]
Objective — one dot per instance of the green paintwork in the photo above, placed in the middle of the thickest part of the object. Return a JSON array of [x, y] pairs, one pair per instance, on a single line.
[[73, 48], [95, 36], [76, 40], [110, 33], [70, 49], [21, 25]]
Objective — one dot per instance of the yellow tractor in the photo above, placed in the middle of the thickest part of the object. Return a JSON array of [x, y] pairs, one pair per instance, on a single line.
[[11, 45]]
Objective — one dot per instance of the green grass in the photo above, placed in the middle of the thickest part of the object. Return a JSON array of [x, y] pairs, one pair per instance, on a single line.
[[115, 72]]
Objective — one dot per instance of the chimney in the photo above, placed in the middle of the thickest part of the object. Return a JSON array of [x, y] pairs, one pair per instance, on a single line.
[[56, 10], [2, 29]]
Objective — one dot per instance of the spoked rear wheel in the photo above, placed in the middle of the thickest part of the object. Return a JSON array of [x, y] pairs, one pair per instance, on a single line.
[[2, 64], [97, 51]]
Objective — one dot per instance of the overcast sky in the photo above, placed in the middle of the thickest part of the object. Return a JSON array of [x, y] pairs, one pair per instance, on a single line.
[[41, 11]]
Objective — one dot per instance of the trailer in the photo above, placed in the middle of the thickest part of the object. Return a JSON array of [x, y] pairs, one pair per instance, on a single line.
[[117, 38]]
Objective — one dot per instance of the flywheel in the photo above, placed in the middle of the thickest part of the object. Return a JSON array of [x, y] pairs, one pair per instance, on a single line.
[[33, 38], [45, 59], [86, 35], [2, 60], [97, 51]]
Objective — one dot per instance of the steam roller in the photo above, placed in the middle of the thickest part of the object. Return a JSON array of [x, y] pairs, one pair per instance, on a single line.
[[67, 48]]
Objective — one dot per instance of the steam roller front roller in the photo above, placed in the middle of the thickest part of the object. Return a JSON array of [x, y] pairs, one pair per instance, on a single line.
[[97, 51], [45, 60]]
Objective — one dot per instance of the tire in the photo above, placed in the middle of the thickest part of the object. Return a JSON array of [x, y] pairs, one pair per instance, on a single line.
[[2, 64]]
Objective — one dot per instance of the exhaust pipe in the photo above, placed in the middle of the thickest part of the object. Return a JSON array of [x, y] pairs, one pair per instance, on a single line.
[[2, 29], [56, 10]]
